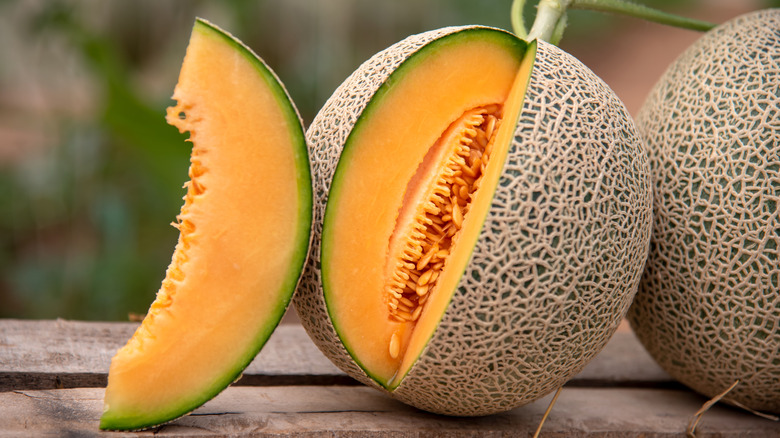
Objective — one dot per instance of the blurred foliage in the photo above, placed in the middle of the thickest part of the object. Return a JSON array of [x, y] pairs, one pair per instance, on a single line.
[[78, 238], [90, 174]]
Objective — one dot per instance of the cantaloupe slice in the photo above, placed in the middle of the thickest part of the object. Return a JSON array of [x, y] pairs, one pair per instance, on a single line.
[[244, 235], [485, 225], [708, 307]]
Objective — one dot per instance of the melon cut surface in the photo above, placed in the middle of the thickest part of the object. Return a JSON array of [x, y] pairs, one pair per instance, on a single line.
[[244, 235], [708, 308], [482, 216]]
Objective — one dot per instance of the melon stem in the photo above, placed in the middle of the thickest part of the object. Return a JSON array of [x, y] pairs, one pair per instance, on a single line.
[[550, 18], [549, 14]]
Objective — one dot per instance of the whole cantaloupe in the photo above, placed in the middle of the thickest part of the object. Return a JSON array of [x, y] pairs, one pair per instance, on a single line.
[[557, 253], [708, 308]]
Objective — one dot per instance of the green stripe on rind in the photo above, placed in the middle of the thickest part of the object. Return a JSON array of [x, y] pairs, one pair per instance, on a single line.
[[303, 165], [294, 119], [113, 421], [416, 58]]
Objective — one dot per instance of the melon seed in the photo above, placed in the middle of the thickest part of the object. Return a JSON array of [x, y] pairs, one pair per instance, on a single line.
[[395, 346]]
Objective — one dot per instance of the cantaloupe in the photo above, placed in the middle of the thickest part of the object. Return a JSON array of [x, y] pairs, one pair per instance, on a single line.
[[482, 218], [708, 309], [244, 236]]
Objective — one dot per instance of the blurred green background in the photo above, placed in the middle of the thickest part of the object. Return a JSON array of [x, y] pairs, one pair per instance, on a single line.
[[90, 174]]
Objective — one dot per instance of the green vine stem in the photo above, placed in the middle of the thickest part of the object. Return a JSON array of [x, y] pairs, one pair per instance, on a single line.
[[551, 16], [518, 22], [644, 12]]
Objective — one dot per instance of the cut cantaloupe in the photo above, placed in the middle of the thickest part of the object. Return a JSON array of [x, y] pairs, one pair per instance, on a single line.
[[244, 235], [385, 218], [486, 223]]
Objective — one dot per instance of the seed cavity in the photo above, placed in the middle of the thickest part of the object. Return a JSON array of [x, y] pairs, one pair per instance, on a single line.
[[417, 259], [183, 117], [187, 228]]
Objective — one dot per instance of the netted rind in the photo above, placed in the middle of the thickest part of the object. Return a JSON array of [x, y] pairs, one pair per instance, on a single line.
[[326, 138], [708, 309], [559, 257]]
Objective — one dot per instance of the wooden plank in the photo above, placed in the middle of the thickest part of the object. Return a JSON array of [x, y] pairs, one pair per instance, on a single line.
[[71, 354], [339, 411], [297, 392]]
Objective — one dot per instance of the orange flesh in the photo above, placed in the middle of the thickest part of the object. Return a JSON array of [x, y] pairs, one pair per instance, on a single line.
[[238, 232], [379, 214]]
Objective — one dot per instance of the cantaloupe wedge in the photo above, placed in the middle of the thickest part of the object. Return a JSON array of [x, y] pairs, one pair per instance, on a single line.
[[483, 220], [244, 235]]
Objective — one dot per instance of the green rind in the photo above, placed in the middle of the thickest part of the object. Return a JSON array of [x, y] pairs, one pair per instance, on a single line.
[[294, 119], [409, 64], [111, 420]]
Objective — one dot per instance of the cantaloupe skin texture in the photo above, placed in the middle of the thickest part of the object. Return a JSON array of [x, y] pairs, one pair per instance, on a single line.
[[559, 256], [708, 309], [244, 237]]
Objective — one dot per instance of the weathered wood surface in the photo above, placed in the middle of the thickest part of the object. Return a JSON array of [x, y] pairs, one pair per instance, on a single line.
[[72, 354], [52, 375], [360, 411]]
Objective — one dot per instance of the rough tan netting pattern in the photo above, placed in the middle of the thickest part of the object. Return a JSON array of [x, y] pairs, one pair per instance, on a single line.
[[708, 309], [558, 260]]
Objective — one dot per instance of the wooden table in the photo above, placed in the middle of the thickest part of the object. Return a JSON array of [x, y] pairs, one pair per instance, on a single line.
[[52, 375]]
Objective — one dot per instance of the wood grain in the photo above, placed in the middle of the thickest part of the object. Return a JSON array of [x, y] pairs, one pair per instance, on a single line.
[[338, 411], [52, 375], [71, 354]]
